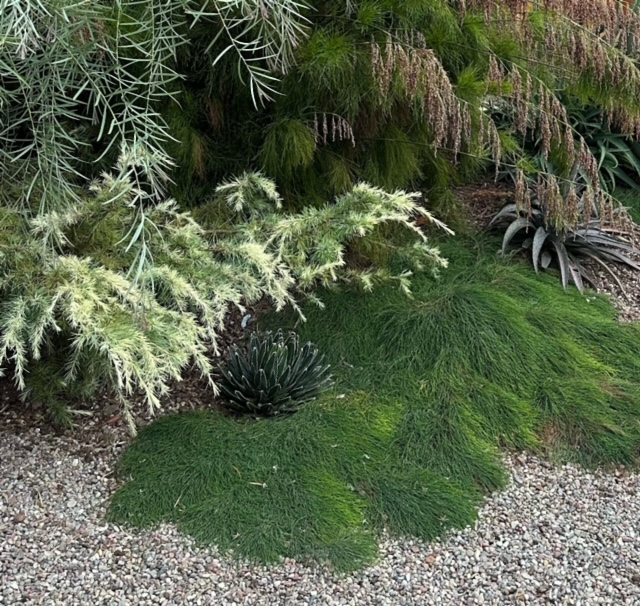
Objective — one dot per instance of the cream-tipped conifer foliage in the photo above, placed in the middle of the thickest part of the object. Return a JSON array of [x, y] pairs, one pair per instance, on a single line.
[[93, 312]]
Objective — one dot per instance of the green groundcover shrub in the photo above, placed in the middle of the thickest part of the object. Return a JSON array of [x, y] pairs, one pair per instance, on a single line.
[[429, 388]]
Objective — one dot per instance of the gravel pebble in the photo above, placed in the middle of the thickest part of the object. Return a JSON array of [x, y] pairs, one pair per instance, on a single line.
[[623, 293], [555, 536]]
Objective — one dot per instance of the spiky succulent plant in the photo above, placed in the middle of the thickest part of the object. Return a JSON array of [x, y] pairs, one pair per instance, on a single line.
[[273, 375], [569, 248]]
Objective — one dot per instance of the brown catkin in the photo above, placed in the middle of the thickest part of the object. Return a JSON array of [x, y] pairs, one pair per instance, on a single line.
[[334, 128], [521, 190], [424, 79]]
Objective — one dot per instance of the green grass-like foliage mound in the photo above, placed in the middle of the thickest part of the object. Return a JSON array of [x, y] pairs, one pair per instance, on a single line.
[[488, 356], [273, 375]]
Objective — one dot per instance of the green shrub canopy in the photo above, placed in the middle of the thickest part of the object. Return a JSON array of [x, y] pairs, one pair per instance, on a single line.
[[319, 95]]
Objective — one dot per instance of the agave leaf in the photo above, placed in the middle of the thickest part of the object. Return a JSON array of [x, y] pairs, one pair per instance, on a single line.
[[538, 242], [600, 237], [509, 210], [240, 365], [513, 229], [545, 259], [596, 245], [583, 272], [620, 258]]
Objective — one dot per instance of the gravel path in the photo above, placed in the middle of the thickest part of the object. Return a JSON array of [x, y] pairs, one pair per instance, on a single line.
[[556, 536]]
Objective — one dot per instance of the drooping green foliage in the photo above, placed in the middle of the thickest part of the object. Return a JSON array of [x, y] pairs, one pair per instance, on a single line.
[[90, 313], [428, 390], [82, 81], [568, 247], [273, 375], [394, 93], [401, 92]]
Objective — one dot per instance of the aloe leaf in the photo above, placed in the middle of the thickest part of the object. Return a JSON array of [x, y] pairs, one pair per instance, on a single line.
[[576, 277], [538, 242], [626, 179], [513, 229], [510, 210], [563, 259]]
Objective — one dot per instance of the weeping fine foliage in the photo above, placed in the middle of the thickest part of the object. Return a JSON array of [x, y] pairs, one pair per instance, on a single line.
[[80, 81], [91, 313], [318, 95], [428, 390]]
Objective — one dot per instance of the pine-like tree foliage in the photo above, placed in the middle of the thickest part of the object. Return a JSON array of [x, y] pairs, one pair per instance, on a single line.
[[90, 312], [316, 242], [399, 94], [115, 286], [392, 93]]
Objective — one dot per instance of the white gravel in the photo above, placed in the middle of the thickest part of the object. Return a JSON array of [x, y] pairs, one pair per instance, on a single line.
[[556, 536]]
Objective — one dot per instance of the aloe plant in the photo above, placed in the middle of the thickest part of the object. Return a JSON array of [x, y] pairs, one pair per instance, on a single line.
[[273, 375], [618, 155], [567, 248]]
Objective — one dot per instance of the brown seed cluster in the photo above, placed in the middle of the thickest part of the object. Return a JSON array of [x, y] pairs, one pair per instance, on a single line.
[[538, 110], [611, 17], [566, 204], [419, 73], [331, 127], [594, 38]]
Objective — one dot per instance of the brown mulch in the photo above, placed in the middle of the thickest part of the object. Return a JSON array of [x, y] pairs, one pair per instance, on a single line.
[[483, 200], [623, 292]]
